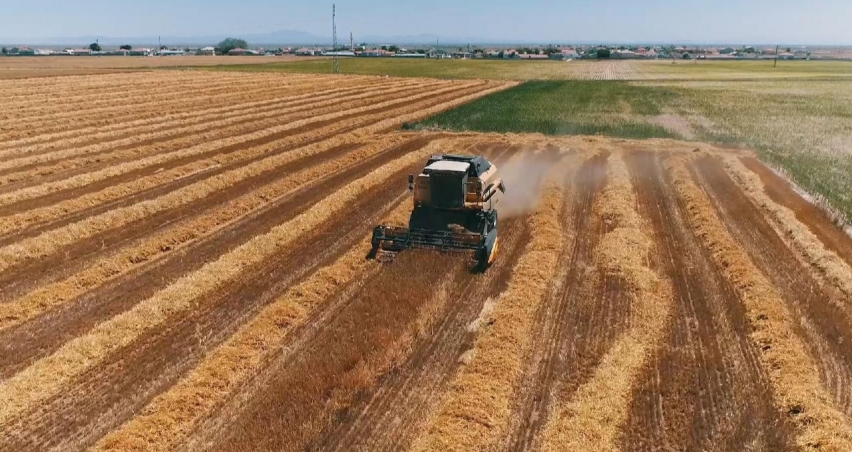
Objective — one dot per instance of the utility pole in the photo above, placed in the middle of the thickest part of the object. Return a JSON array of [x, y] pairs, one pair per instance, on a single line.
[[351, 42], [335, 65], [776, 56]]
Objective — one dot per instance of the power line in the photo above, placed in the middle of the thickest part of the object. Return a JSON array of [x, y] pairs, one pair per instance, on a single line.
[[335, 68]]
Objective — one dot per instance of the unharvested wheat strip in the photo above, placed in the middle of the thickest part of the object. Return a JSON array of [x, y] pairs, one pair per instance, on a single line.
[[47, 376], [77, 136], [788, 226], [476, 410], [226, 127], [274, 117], [592, 418], [795, 379], [45, 298], [171, 417], [87, 178]]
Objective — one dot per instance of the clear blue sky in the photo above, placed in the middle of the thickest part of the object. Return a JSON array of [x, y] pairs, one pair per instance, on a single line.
[[720, 21]]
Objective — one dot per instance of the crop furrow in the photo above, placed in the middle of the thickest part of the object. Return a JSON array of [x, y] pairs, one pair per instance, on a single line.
[[46, 377]]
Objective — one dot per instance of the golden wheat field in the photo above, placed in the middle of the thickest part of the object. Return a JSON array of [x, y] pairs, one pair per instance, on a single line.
[[183, 267]]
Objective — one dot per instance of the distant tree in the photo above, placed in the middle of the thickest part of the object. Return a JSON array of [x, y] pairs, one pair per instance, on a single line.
[[164, 48], [604, 52], [95, 47], [230, 44], [500, 54], [126, 47], [789, 50], [5, 51]]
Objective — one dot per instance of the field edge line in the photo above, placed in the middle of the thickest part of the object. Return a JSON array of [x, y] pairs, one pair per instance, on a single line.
[[829, 264]]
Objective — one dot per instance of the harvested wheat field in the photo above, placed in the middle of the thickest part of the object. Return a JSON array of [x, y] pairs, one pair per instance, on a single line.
[[183, 267]]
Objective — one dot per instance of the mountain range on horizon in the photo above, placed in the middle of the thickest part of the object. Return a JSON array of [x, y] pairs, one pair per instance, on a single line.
[[282, 37], [295, 37]]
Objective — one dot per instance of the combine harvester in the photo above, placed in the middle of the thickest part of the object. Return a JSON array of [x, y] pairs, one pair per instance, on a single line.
[[454, 210]]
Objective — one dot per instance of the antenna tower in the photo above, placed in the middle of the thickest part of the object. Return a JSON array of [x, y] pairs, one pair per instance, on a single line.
[[335, 68]]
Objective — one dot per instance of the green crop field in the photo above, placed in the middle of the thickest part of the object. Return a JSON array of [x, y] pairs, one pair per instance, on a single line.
[[560, 70], [562, 107]]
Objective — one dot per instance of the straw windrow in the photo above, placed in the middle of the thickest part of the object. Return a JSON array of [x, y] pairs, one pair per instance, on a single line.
[[799, 395]]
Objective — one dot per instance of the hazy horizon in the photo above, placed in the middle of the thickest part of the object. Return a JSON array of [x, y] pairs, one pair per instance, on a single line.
[[823, 22]]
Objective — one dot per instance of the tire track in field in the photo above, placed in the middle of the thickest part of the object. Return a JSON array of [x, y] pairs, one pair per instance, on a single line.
[[584, 314], [63, 163], [114, 390], [705, 387], [46, 333], [822, 310], [47, 378]]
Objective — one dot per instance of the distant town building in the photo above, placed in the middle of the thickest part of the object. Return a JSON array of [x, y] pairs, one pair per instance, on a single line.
[[622, 54], [239, 51], [304, 51], [209, 50]]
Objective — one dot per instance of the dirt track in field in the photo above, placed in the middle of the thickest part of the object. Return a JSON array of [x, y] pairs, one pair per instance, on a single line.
[[170, 282]]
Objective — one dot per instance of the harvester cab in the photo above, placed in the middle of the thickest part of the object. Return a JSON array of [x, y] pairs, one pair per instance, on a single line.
[[455, 199]]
